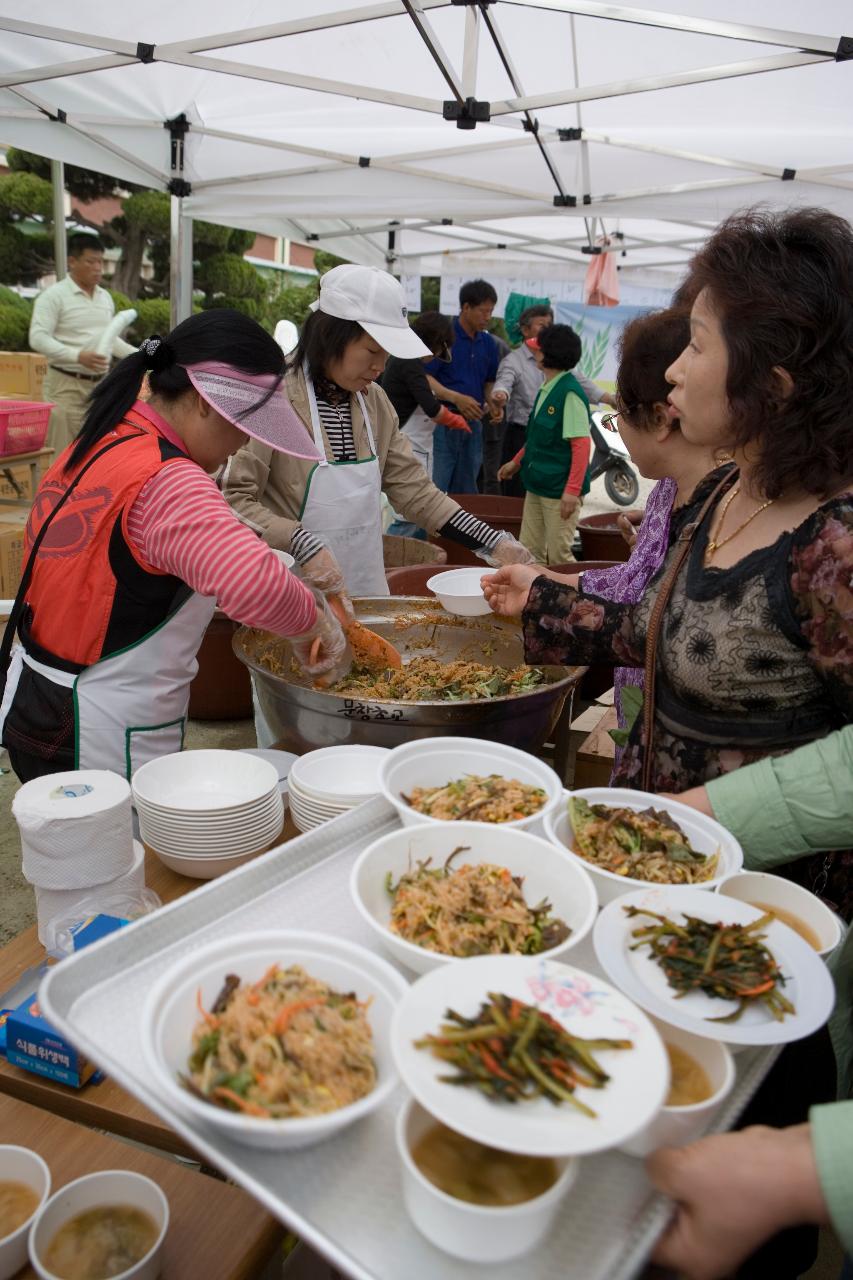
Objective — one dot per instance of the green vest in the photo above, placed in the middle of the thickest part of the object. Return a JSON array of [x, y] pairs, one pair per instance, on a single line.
[[547, 457]]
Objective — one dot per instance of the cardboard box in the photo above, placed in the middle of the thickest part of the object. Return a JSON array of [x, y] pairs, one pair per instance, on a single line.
[[11, 551], [17, 484], [22, 374]]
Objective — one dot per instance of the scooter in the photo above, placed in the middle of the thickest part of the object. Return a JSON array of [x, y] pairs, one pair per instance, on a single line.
[[610, 458]]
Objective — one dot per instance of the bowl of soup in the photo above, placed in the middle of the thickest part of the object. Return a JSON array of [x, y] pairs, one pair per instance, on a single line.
[[473, 1201], [790, 903], [701, 1076], [24, 1187], [105, 1220]]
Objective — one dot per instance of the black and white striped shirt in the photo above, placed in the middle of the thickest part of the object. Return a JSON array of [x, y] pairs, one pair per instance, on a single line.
[[336, 420]]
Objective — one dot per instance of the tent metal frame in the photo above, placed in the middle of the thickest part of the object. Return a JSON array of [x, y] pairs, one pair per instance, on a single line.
[[516, 112]]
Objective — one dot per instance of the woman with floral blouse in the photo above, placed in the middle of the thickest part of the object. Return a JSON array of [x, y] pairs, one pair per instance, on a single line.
[[755, 652]]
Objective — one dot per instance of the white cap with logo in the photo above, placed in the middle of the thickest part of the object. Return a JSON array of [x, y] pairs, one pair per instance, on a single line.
[[374, 299]]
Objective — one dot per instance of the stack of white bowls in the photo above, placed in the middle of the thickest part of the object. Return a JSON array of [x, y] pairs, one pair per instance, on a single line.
[[206, 812], [326, 783]]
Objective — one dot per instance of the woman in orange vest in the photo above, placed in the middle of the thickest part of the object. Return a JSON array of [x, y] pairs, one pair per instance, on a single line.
[[130, 547]]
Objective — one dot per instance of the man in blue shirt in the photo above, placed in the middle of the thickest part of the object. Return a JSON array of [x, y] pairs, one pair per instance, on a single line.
[[466, 384]]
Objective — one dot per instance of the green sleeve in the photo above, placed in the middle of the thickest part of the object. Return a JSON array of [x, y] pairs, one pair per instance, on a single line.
[[832, 1143], [785, 806], [575, 417]]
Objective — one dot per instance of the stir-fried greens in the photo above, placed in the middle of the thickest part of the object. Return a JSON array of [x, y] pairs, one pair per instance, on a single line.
[[428, 680], [470, 911], [513, 1052], [729, 961], [287, 1045], [491, 799], [642, 844]]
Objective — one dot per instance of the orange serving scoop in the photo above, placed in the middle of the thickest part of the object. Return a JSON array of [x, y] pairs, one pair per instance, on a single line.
[[369, 649]]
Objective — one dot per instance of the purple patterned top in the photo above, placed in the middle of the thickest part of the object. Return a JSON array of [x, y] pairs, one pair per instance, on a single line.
[[625, 583]]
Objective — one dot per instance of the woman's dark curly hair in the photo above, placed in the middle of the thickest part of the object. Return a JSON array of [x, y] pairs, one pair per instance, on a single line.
[[648, 346], [781, 285]]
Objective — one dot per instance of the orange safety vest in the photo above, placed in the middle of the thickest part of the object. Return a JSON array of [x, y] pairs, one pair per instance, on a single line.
[[91, 592]]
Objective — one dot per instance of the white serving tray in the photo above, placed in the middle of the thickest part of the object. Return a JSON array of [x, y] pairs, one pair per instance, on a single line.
[[343, 1197]]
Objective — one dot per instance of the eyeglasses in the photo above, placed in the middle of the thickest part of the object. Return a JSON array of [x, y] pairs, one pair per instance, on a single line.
[[610, 421]]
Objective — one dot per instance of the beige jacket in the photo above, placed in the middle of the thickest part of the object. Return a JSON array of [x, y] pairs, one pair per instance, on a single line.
[[267, 488]]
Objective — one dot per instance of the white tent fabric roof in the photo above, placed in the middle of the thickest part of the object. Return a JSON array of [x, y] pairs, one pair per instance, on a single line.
[[329, 124]]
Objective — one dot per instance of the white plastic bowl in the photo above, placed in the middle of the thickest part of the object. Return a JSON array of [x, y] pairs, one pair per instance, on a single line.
[[19, 1164], [768, 892], [460, 592], [171, 1013], [432, 762], [203, 868], [676, 1126], [111, 1187], [332, 775], [705, 836], [547, 873], [477, 1233], [204, 780]]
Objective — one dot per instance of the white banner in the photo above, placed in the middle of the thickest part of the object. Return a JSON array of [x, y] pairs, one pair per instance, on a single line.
[[538, 286], [412, 291], [599, 329]]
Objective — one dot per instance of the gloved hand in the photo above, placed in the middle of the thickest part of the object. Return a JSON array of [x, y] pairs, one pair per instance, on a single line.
[[323, 651], [508, 550], [323, 572], [455, 421]]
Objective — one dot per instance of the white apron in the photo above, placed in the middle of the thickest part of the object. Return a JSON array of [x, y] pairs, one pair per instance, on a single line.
[[131, 706], [342, 505], [419, 429]]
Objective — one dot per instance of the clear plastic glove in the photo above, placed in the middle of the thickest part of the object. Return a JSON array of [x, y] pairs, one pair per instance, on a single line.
[[323, 652], [446, 418], [507, 550], [323, 572]]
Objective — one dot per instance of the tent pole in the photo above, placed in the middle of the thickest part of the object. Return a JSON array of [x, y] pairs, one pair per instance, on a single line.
[[180, 263], [57, 177]]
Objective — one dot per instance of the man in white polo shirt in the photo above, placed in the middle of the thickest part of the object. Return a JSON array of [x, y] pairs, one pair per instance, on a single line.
[[68, 319]]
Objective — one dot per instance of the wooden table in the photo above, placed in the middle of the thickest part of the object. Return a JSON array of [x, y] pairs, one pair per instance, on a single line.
[[105, 1105], [216, 1231]]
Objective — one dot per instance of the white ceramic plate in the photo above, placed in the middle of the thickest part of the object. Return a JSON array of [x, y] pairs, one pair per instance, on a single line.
[[282, 761], [809, 986], [586, 1005]]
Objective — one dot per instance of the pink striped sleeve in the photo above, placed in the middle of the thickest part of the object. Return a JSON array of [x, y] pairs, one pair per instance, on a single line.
[[181, 524]]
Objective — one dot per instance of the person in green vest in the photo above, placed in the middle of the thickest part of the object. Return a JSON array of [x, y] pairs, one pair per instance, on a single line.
[[555, 457]]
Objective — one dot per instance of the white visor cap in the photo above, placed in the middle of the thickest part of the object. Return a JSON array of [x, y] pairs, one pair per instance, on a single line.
[[376, 301]]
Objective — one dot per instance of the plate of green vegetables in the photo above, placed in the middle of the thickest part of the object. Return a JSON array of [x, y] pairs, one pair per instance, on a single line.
[[713, 965], [529, 1055]]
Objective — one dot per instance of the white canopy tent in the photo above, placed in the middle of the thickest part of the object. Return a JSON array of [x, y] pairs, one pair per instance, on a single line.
[[340, 127]]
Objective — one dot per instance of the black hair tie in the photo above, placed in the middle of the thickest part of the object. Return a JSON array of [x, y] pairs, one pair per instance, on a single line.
[[158, 353]]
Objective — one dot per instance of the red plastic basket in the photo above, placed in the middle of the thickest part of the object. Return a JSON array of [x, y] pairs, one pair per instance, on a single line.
[[23, 425]]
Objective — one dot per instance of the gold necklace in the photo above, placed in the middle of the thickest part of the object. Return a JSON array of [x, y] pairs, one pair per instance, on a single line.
[[716, 542]]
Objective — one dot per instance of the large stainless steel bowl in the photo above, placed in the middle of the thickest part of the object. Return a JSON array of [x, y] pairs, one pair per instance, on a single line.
[[303, 717]]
